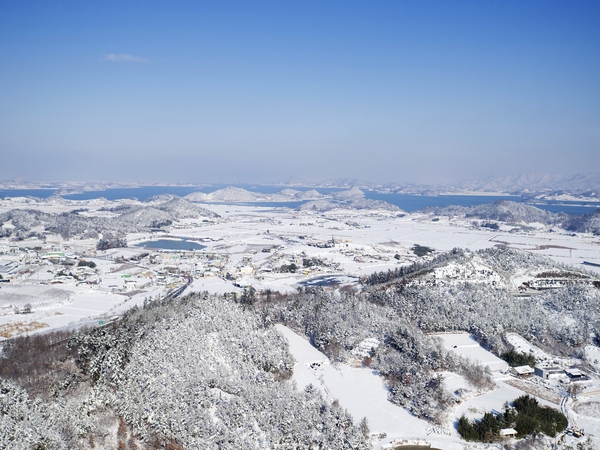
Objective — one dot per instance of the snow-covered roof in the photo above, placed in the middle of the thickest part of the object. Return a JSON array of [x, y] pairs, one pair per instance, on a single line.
[[523, 370]]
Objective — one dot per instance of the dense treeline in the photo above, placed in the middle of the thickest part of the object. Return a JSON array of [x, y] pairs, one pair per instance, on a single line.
[[516, 359], [585, 223], [38, 362], [526, 416], [502, 259], [26, 424], [109, 242], [414, 268], [400, 314]]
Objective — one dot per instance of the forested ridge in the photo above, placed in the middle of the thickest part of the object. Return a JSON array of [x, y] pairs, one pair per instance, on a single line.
[[201, 372], [489, 309]]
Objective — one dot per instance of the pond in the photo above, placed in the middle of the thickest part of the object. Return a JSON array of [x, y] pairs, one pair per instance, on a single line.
[[330, 280], [171, 244]]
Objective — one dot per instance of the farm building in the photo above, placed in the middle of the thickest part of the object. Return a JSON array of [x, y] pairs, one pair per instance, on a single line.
[[523, 371], [574, 373], [548, 372], [508, 433]]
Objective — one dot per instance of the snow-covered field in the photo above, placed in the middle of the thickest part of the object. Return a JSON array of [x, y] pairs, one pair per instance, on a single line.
[[76, 306], [464, 345]]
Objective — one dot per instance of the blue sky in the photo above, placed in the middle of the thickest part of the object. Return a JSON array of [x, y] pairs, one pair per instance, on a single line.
[[402, 91]]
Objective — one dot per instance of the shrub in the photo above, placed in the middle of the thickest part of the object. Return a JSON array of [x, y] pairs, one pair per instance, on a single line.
[[288, 268], [421, 250], [490, 225], [84, 263]]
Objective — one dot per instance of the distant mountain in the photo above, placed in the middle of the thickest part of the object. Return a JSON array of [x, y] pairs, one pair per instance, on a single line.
[[233, 194], [295, 195], [143, 218], [318, 206], [180, 208], [501, 211], [161, 198], [55, 200], [352, 198], [223, 195], [507, 211], [355, 204], [343, 183], [290, 192], [292, 181], [537, 183], [541, 186], [350, 194]]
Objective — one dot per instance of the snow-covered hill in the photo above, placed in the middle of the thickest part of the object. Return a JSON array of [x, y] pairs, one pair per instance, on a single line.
[[200, 373], [233, 194], [180, 208], [537, 182], [586, 223], [501, 211], [351, 204], [126, 218]]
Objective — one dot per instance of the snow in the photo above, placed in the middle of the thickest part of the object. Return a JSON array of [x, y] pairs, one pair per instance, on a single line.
[[212, 285], [586, 413], [454, 381], [90, 304], [491, 401], [522, 345], [364, 348], [81, 306], [305, 355], [592, 355], [362, 392], [464, 345]]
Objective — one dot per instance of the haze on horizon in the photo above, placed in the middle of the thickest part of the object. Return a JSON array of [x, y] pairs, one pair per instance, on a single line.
[[412, 91]]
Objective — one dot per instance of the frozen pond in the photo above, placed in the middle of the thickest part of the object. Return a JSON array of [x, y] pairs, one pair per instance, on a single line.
[[330, 280]]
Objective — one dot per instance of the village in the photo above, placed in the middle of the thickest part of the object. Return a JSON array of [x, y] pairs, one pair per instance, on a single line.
[[266, 248]]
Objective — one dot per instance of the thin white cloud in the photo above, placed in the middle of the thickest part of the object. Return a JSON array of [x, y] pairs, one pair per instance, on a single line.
[[113, 57]]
